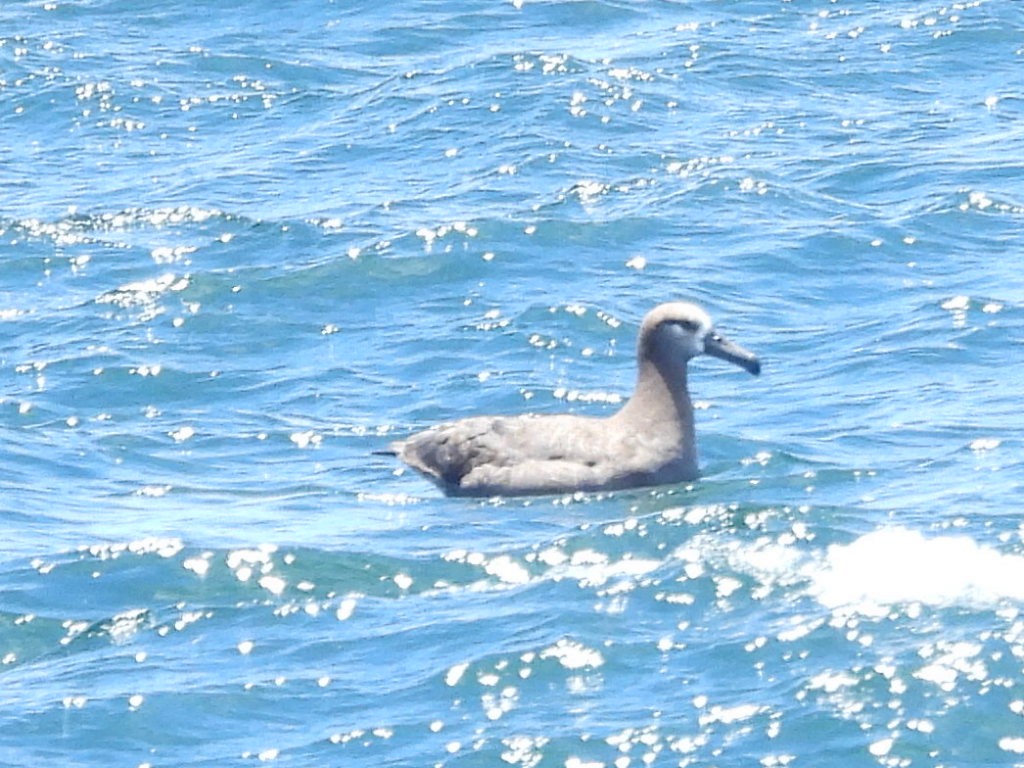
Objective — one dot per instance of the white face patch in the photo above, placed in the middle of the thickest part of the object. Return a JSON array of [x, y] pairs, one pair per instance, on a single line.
[[675, 331], [687, 336]]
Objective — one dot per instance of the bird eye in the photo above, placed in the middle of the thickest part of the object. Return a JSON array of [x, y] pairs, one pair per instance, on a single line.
[[690, 326]]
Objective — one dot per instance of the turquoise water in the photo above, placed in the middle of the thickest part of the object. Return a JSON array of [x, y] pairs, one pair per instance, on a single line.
[[244, 246]]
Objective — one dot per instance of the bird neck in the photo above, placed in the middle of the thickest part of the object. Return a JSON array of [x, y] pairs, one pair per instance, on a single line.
[[661, 400]]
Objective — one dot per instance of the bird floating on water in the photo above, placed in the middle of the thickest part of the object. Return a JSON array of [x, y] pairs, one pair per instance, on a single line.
[[649, 441]]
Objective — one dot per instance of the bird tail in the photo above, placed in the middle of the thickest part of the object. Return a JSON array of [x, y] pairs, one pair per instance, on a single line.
[[392, 449]]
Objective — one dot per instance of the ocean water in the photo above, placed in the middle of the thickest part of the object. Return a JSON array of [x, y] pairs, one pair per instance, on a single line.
[[244, 245]]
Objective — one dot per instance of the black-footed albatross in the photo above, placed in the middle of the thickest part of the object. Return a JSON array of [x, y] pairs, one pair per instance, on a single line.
[[649, 441]]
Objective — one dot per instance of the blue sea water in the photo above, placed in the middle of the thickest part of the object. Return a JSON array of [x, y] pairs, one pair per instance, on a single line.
[[244, 245]]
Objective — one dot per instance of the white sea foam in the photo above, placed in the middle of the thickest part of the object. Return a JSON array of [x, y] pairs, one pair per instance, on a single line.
[[896, 566]]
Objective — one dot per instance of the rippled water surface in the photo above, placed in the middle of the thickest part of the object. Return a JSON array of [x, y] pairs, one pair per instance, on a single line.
[[245, 245]]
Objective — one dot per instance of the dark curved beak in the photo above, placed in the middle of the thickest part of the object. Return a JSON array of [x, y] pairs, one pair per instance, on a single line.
[[718, 346]]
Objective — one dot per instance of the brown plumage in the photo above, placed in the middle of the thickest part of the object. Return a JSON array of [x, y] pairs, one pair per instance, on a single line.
[[649, 441]]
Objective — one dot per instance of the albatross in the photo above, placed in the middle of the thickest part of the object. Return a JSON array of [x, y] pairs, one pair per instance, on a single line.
[[649, 441]]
